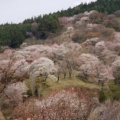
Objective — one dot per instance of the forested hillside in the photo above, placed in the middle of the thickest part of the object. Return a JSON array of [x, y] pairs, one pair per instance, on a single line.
[[14, 34], [104, 6], [64, 66], [42, 26]]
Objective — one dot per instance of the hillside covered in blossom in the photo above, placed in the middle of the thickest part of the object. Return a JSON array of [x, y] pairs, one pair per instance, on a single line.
[[71, 75]]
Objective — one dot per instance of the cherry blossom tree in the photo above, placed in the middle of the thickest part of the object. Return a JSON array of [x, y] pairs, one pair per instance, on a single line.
[[116, 70], [90, 66], [43, 68]]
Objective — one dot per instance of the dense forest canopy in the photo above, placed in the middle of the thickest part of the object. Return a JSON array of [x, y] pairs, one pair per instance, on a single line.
[[106, 6], [40, 27]]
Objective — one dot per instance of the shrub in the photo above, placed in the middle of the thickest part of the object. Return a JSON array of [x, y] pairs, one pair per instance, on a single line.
[[116, 95], [117, 76], [115, 91], [102, 96], [78, 37]]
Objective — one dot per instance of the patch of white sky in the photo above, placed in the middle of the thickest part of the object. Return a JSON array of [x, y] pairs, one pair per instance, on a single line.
[[16, 11]]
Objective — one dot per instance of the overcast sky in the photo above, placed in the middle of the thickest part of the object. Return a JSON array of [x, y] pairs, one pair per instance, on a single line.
[[17, 10]]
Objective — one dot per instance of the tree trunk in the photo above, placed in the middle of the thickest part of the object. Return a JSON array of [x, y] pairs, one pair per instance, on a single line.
[[64, 75], [58, 78], [70, 74]]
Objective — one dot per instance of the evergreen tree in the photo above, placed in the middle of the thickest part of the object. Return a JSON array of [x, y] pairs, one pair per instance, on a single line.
[[11, 35]]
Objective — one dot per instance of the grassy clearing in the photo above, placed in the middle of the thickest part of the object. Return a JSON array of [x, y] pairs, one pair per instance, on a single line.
[[70, 82], [51, 85], [113, 92]]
